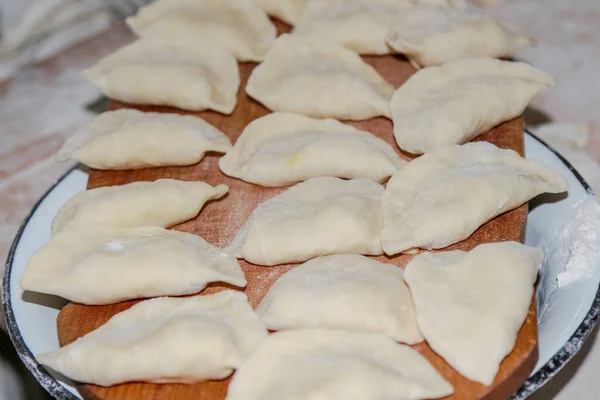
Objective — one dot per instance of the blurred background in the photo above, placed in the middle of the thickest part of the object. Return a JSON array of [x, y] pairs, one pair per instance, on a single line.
[[45, 43]]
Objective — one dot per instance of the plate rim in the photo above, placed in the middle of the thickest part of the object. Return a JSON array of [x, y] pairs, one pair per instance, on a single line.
[[531, 385]]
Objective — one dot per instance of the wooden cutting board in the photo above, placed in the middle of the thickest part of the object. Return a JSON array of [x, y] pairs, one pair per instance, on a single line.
[[220, 220]]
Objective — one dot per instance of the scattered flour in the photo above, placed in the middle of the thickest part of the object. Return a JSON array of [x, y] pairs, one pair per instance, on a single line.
[[582, 240], [570, 252]]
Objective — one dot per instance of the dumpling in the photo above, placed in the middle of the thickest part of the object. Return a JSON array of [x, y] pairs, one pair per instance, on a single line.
[[471, 305], [128, 139], [291, 11], [285, 10], [359, 25], [348, 292], [100, 264], [319, 217], [165, 340], [281, 149], [318, 79], [189, 74], [240, 26], [453, 103], [435, 35], [444, 196], [165, 202], [330, 364]]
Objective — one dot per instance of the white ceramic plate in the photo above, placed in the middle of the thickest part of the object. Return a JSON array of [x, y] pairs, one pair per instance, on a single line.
[[31, 318]]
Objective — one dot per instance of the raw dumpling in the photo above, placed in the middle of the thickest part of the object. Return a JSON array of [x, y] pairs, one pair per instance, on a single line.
[[165, 340], [281, 149], [127, 139], [453, 103], [291, 11], [191, 74], [319, 79], [240, 26], [435, 35], [348, 292], [319, 217], [359, 25], [165, 202], [471, 305], [285, 10], [330, 364], [444, 196], [100, 264]]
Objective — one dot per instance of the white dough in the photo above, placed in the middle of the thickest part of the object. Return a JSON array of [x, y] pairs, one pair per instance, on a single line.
[[348, 292], [329, 364], [165, 202], [321, 216], [286, 10], [165, 340], [435, 35], [359, 25], [191, 74], [281, 149], [100, 264], [319, 79], [454, 102], [471, 305], [291, 11], [444, 196], [128, 139], [240, 26]]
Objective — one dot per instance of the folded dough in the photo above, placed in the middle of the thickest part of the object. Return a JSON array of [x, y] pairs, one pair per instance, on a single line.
[[100, 264], [330, 364], [453, 103], [444, 196], [241, 26], [128, 139], [348, 292], [165, 340], [359, 25], [471, 305], [286, 10], [291, 11], [321, 216], [319, 79], [191, 74], [165, 202], [282, 148], [435, 35]]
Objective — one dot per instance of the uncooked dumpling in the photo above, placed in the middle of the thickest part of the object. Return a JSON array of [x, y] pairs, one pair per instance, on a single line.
[[165, 202], [128, 139], [100, 264], [165, 340], [240, 26], [349, 292], [359, 25], [282, 148], [453, 103], [319, 79], [286, 10], [435, 35], [191, 74], [444, 196], [321, 216], [291, 11], [471, 305], [330, 364]]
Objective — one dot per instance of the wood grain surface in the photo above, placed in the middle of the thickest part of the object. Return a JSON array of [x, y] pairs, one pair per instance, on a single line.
[[219, 221]]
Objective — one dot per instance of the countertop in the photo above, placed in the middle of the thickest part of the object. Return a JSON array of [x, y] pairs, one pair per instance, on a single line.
[[43, 105]]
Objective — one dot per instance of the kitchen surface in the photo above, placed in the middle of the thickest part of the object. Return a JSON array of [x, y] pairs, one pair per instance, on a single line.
[[43, 100]]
